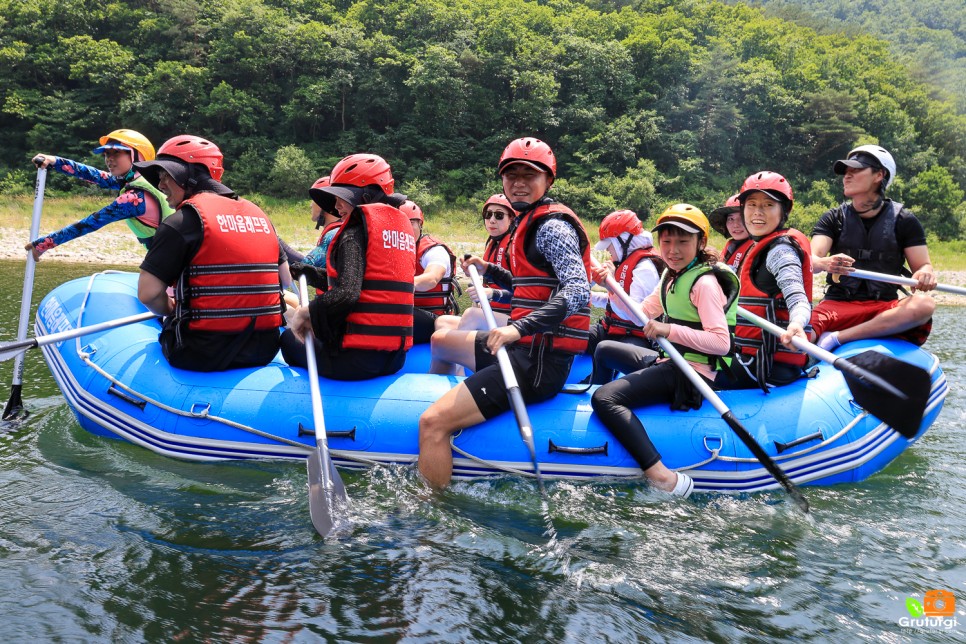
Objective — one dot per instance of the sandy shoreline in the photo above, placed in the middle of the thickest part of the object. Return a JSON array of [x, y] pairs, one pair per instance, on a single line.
[[120, 248]]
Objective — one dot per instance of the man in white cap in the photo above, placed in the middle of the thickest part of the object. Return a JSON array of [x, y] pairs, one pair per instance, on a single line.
[[870, 232]]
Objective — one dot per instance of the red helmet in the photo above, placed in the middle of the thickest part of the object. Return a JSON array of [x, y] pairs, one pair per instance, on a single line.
[[194, 149], [621, 221], [500, 200], [412, 211], [718, 218], [532, 152], [363, 170], [321, 182], [772, 184]]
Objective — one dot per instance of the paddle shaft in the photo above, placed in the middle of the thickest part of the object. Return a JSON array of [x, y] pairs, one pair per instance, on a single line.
[[819, 353], [770, 465], [12, 349], [324, 481], [904, 281], [509, 379], [15, 403]]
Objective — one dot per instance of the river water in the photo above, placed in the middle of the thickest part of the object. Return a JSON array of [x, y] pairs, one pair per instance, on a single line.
[[102, 541]]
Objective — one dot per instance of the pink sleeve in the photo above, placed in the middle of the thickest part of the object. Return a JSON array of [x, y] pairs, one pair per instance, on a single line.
[[714, 338], [651, 304]]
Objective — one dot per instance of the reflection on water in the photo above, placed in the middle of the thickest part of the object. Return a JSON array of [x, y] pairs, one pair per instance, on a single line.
[[102, 540]]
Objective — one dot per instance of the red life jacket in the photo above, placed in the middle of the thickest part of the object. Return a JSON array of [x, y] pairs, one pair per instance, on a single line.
[[735, 251], [534, 282], [761, 295], [232, 281], [615, 325], [439, 299], [496, 253], [382, 318]]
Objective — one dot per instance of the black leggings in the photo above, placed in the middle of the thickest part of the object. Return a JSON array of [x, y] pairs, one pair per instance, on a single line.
[[347, 364], [613, 403]]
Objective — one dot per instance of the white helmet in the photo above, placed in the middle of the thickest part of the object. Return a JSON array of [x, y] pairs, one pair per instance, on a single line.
[[878, 152]]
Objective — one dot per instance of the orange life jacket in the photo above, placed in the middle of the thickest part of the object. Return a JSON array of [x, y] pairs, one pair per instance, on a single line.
[[735, 251], [760, 295], [232, 281], [382, 318], [534, 282]]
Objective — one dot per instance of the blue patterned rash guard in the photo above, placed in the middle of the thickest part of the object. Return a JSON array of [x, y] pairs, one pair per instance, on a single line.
[[316, 256], [130, 203]]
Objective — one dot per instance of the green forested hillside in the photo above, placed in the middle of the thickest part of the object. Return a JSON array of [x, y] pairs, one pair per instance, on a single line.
[[928, 35], [645, 101]]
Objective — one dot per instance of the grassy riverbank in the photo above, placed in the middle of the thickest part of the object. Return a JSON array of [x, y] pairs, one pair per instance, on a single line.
[[462, 229]]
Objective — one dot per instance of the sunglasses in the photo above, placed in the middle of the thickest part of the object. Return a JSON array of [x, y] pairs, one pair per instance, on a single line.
[[494, 214]]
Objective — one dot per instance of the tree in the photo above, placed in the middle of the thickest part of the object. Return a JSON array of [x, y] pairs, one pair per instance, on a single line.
[[936, 198]]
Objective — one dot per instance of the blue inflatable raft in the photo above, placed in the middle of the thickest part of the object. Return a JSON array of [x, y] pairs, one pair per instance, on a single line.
[[119, 385]]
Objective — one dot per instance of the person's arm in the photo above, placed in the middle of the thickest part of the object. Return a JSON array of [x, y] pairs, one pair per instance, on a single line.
[[921, 267], [127, 205], [784, 263], [436, 266], [153, 293], [83, 172], [330, 309]]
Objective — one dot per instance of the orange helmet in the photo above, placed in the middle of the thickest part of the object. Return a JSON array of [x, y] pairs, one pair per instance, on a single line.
[[127, 140], [684, 216], [363, 170], [194, 149], [531, 152], [412, 211]]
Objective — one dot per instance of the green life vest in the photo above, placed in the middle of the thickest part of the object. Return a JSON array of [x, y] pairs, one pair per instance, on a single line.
[[138, 227], [678, 308]]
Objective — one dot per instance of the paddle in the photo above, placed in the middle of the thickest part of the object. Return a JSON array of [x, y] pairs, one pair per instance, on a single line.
[[770, 465], [904, 281], [512, 388], [893, 391], [12, 349], [14, 407], [327, 495]]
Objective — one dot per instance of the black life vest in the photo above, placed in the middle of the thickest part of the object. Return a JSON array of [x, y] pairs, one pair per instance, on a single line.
[[874, 250]]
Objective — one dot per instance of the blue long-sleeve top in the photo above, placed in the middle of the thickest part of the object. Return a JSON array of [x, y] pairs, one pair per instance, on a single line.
[[131, 203]]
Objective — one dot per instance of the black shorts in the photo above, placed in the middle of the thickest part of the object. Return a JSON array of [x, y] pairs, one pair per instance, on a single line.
[[539, 377], [424, 323]]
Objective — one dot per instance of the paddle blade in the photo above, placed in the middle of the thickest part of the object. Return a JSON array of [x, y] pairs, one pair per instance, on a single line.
[[873, 378], [14, 409], [328, 500]]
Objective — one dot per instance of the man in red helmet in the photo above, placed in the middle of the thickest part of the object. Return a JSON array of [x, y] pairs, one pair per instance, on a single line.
[[216, 319], [363, 323], [549, 258]]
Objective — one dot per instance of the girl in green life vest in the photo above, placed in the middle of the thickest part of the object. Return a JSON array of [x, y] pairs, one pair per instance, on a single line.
[[694, 306], [140, 205]]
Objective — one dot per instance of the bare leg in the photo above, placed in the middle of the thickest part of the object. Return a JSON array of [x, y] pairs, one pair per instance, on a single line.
[[454, 410], [910, 313], [474, 320], [448, 322], [451, 348], [661, 477]]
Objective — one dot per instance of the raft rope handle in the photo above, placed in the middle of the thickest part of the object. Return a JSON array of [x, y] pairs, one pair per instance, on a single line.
[[85, 356]]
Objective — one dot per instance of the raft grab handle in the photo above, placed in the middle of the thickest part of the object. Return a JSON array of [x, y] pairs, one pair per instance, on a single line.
[[349, 433], [552, 447], [781, 447], [114, 391]]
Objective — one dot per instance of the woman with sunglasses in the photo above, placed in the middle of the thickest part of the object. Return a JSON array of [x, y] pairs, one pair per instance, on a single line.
[[498, 216]]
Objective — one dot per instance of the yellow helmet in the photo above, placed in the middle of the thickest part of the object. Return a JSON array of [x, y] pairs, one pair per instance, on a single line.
[[129, 139], [684, 216]]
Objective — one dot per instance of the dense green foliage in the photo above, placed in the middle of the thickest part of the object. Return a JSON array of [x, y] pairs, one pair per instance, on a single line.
[[644, 101], [928, 35]]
